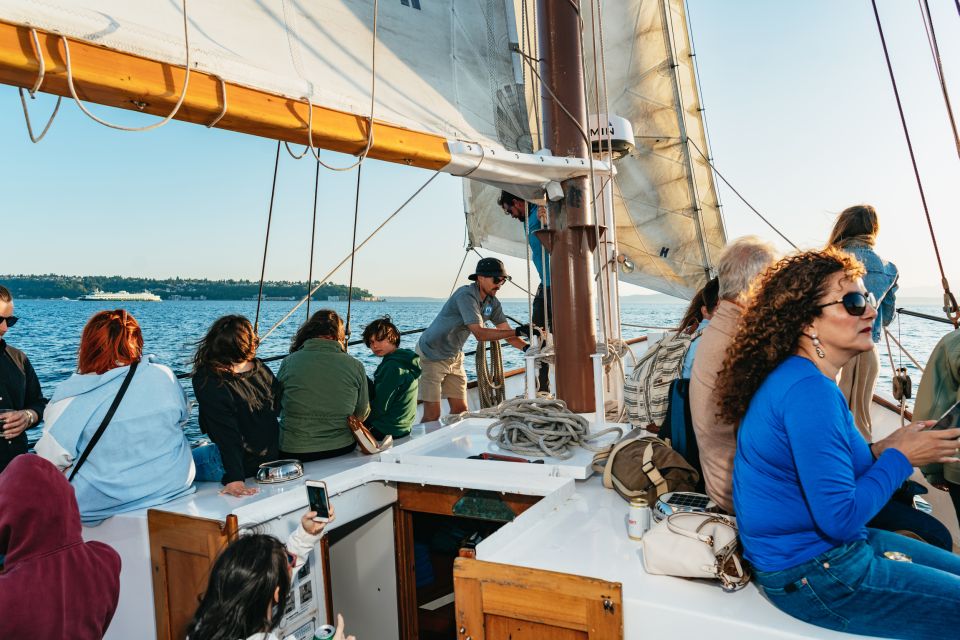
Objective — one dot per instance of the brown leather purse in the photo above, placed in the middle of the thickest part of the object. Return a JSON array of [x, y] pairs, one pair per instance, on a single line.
[[368, 444]]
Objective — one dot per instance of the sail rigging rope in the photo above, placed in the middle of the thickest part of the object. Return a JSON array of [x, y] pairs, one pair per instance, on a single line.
[[223, 99], [460, 270], [344, 261], [938, 65], [313, 236], [744, 200], [155, 125], [949, 301], [41, 72], [540, 427], [373, 96], [490, 383], [353, 245], [266, 241]]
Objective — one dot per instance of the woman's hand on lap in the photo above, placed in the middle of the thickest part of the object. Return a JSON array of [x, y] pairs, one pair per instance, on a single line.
[[238, 489], [922, 446]]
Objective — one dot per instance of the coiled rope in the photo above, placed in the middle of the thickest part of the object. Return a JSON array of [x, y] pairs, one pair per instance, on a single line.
[[490, 383], [541, 428]]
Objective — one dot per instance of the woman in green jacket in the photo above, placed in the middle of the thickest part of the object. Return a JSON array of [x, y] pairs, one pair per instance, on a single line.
[[322, 387]]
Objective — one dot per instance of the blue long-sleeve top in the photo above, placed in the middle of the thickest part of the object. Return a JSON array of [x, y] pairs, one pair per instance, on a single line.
[[804, 480]]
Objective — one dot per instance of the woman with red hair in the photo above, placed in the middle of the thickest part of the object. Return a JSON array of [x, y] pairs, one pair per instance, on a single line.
[[141, 458]]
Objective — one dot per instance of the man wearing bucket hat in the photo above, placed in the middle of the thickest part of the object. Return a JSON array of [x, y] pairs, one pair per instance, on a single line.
[[441, 346]]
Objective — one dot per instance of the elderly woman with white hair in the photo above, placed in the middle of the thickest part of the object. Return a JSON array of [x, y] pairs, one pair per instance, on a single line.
[[738, 266]]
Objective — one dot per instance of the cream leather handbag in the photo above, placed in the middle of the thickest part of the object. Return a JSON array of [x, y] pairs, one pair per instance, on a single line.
[[696, 545]]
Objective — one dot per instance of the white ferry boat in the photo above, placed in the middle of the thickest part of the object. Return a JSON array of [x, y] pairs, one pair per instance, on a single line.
[[100, 296]]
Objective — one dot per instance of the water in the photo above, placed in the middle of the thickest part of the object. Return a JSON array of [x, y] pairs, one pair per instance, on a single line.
[[49, 332]]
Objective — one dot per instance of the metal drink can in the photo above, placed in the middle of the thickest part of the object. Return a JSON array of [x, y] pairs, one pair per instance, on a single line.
[[638, 518], [325, 632]]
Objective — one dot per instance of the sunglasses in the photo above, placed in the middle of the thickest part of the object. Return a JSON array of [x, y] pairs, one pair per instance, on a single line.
[[499, 279], [10, 320], [855, 302], [291, 560]]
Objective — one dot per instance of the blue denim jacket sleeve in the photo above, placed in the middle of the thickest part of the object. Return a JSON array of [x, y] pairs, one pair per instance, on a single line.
[[880, 280]]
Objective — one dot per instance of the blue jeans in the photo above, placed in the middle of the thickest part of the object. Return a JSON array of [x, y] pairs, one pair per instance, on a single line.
[[209, 464], [897, 516], [854, 588]]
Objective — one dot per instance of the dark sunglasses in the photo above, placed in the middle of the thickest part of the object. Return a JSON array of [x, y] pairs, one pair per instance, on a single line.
[[499, 279], [10, 320], [855, 302]]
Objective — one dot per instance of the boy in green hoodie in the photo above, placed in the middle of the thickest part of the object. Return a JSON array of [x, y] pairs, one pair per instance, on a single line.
[[393, 401]]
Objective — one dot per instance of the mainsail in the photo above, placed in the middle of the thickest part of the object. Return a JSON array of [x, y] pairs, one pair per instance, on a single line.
[[447, 85], [668, 220]]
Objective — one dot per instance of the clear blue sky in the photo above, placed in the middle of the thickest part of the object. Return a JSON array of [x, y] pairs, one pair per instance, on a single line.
[[799, 108]]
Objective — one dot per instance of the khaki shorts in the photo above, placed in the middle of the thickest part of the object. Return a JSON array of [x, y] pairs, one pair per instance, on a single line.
[[442, 379]]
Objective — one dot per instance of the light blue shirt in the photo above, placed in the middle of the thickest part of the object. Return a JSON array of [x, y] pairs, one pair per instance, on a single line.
[[540, 258], [692, 351], [881, 281]]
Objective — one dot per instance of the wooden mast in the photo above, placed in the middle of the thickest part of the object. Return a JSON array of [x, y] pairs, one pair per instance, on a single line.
[[572, 218]]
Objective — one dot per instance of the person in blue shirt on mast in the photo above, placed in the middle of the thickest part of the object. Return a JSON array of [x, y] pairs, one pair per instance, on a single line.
[[536, 219]]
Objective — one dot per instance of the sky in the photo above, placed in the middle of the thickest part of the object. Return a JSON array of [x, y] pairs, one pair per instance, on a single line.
[[799, 108]]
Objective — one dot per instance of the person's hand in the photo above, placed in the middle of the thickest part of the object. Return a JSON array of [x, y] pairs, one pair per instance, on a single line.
[[310, 525], [923, 447], [339, 634], [15, 423], [238, 489], [523, 331]]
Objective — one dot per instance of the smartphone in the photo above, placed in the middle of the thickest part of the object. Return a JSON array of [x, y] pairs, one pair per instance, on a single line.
[[950, 419], [319, 500]]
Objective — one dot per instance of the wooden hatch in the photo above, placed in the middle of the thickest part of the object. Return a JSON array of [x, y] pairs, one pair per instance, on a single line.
[[182, 551], [501, 602]]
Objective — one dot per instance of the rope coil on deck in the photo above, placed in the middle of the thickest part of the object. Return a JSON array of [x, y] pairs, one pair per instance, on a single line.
[[490, 382], [540, 428]]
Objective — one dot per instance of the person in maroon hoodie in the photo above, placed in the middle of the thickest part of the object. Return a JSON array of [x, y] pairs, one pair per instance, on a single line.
[[52, 583]]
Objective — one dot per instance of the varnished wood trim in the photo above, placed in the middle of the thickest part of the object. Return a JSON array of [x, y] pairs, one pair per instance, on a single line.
[[886, 404], [327, 579], [440, 500], [127, 81], [547, 599], [406, 574]]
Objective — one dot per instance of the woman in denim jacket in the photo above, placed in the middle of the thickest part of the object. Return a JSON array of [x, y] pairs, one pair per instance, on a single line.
[[855, 232]]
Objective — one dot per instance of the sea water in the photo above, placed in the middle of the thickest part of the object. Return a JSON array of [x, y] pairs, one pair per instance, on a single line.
[[49, 333]]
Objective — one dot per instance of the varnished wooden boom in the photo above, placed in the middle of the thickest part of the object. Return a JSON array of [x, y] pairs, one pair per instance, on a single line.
[[131, 82]]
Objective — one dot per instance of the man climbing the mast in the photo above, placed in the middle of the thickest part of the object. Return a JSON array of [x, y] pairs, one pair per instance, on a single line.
[[536, 219], [441, 346]]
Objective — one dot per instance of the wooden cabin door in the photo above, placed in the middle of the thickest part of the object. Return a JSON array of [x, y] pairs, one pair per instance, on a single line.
[[182, 550], [505, 602]]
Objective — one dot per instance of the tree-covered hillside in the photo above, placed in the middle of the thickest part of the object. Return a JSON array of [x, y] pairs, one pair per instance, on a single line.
[[55, 286]]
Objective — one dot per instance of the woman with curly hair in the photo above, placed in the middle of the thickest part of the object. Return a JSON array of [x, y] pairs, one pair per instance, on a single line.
[[806, 483]]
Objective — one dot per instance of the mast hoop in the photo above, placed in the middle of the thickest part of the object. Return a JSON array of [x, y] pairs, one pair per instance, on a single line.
[[155, 125], [41, 72]]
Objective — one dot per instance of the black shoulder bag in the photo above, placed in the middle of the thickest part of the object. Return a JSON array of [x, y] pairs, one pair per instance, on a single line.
[[106, 420]]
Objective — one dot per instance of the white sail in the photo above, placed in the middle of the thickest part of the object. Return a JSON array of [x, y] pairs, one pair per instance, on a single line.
[[665, 202], [441, 67]]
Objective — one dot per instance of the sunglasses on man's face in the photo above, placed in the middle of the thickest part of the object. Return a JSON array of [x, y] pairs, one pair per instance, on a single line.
[[10, 320], [498, 279], [855, 302]]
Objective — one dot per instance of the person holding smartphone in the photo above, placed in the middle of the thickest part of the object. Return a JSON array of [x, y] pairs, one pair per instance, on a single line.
[[21, 398], [939, 390]]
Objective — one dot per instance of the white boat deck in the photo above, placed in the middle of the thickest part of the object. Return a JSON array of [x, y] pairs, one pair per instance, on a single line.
[[577, 527]]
